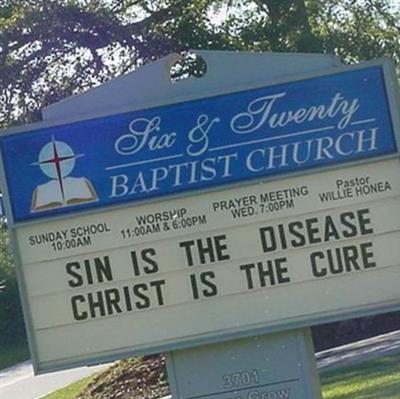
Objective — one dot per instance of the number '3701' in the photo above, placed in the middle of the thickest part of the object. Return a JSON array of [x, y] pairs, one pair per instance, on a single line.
[[241, 378]]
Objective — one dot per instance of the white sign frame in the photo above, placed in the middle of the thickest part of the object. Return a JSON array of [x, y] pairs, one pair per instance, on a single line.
[[390, 80]]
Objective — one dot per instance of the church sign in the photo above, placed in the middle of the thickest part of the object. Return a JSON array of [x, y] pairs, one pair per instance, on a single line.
[[258, 133], [221, 264]]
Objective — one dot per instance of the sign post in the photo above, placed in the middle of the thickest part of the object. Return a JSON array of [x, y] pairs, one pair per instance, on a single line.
[[268, 366], [197, 223]]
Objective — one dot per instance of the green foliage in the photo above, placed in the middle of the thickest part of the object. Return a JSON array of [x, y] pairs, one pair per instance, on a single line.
[[12, 353], [358, 30], [53, 49], [12, 327]]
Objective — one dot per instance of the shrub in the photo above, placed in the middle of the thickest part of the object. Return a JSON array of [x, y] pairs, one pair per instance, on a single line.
[[12, 328]]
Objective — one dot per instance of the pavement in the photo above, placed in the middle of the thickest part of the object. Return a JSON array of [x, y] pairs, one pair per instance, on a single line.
[[18, 382], [381, 345]]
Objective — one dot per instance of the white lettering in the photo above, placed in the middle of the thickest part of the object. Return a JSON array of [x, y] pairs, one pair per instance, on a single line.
[[369, 141], [246, 122], [119, 186], [249, 160], [226, 160], [198, 136], [158, 174], [338, 145], [312, 150], [140, 131], [278, 153], [323, 145], [260, 113], [139, 185]]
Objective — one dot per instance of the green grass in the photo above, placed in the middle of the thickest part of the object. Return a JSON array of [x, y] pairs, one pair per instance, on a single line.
[[379, 378], [375, 379], [71, 391], [13, 353]]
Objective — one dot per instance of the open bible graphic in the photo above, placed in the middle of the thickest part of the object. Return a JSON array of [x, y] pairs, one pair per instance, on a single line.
[[57, 160]]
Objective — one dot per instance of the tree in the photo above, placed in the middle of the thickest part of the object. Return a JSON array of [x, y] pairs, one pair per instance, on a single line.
[[51, 49], [11, 320], [358, 30], [353, 29], [272, 25]]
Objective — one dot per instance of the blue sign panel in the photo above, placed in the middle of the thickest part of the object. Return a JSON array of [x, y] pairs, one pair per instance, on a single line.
[[325, 120]]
